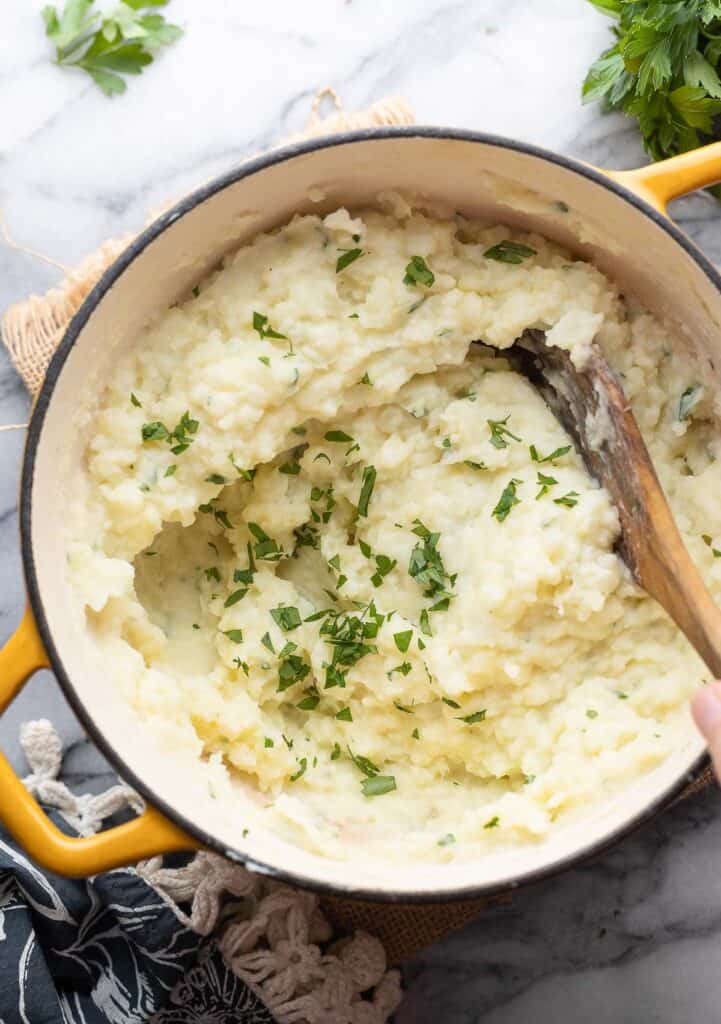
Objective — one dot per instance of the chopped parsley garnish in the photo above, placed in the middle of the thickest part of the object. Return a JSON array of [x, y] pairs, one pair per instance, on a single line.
[[311, 700], [335, 752], [363, 764], [545, 483], [477, 716], [507, 500], [291, 668], [494, 822], [509, 252], [591, 713], [415, 734], [236, 596], [374, 783], [688, 400], [242, 664], [474, 465], [347, 634], [403, 640], [303, 765], [418, 272], [134, 400], [215, 478], [418, 304], [267, 642], [365, 379], [467, 393], [212, 573], [447, 840], [289, 468], [265, 360], [235, 635], [446, 442], [286, 618], [268, 743], [403, 707], [568, 500], [265, 548], [384, 565], [552, 456], [707, 541], [450, 703], [499, 432], [367, 485], [378, 785], [404, 668], [179, 439], [155, 431], [347, 257], [246, 474], [427, 568], [425, 623], [337, 436], [288, 743], [261, 325], [210, 508], [344, 715], [170, 471]]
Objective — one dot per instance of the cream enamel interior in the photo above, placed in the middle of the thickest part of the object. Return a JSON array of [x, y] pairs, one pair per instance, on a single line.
[[480, 179]]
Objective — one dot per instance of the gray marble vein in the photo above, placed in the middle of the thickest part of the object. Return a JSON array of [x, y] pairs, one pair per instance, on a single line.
[[634, 937]]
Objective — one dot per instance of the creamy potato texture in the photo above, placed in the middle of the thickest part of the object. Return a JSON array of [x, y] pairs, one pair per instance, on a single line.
[[350, 557]]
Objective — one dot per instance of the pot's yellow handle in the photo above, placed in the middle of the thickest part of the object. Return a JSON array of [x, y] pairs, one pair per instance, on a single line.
[[659, 183], [144, 836]]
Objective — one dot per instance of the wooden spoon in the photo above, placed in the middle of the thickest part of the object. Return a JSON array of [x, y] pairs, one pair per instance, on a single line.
[[591, 405]]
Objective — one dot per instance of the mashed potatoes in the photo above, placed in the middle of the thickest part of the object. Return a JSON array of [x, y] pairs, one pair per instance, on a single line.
[[353, 559]]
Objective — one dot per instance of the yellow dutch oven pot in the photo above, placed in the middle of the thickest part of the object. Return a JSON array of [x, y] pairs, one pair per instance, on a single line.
[[617, 220]]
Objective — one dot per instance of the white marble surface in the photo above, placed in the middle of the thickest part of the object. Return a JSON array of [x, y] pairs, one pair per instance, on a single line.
[[633, 938]]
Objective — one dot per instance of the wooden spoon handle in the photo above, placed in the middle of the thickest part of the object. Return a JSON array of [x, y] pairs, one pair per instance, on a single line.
[[677, 586]]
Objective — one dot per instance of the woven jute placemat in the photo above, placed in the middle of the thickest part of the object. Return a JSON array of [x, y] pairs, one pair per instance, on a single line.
[[31, 330]]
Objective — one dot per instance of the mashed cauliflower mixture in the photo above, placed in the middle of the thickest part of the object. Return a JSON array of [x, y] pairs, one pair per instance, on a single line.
[[333, 543]]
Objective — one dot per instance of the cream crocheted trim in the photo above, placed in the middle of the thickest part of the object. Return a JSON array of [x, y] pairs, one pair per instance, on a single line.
[[275, 938]]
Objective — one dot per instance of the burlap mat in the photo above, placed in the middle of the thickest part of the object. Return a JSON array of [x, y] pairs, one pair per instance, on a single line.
[[31, 330]]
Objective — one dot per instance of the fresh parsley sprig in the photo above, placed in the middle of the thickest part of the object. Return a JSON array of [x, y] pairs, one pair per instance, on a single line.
[[108, 46], [662, 70]]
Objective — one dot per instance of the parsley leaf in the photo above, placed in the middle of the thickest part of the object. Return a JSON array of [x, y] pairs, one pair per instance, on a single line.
[[347, 257], [427, 568], [262, 326], [556, 454], [477, 716], [403, 640], [378, 785], [499, 432], [569, 500], [545, 483], [507, 500], [235, 635], [107, 47], [367, 485], [509, 252], [662, 70], [418, 272], [286, 618]]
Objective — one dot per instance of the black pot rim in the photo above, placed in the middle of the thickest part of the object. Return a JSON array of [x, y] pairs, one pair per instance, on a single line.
[[74, 329]]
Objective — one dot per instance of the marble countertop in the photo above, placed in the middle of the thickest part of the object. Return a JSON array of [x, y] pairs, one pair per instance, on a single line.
[[634, 937]]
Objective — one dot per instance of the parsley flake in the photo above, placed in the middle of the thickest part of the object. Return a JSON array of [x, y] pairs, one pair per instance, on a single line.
[[499, 432], [507, 500], [347, 257], [418, 272], [509, 252]]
